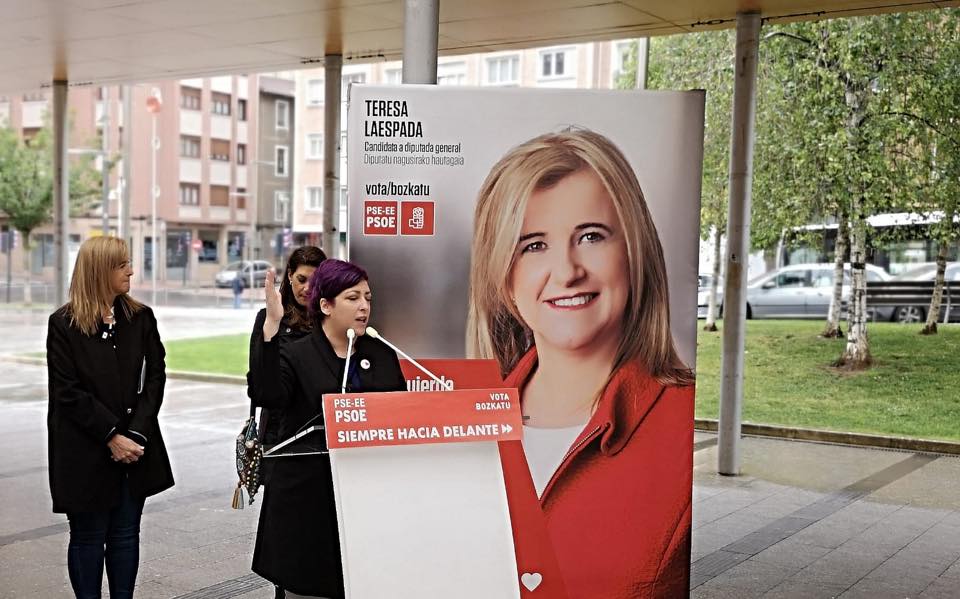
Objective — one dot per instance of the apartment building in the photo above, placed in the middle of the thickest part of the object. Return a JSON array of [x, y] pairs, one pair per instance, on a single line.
[[207, 130], [593, 65]]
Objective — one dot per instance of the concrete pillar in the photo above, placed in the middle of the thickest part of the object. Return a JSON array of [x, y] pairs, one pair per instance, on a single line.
[[61, 193], [643, 61], [333, 74], [421, 30], [123, 225], [738, 242]]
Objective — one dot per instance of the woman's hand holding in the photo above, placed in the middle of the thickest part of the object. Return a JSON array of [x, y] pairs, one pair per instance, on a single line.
[[274, 306], [124, 450]]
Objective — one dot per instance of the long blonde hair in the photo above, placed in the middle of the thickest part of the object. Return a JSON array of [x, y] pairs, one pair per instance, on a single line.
[[495, 328], [91, 288]]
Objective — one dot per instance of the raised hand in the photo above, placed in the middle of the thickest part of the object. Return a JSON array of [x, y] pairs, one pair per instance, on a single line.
[[274, 306]]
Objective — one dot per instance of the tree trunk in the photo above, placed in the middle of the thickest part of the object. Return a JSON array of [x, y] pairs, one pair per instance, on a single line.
[[711, 324], [28, 267], [856, 355], [930, 328], [832, 329]]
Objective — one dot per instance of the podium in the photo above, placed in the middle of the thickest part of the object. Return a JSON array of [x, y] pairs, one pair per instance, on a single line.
[[421, 501]]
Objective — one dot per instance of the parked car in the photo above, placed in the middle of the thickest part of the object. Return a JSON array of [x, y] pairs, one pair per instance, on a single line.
[[927, 272], [225, 277], [795, 291], [704, 281]]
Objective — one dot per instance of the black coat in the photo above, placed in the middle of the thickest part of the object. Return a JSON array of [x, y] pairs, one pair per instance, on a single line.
[[298, 544], [98, 387], [271, 423]]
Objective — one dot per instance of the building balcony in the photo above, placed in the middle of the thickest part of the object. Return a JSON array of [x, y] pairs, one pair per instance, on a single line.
[[242, 132], [191, 170], [221, 127], [222, 84], [189, 212], [220, 213], [32, 115], [191, 123], [241, 176], [219, 173]]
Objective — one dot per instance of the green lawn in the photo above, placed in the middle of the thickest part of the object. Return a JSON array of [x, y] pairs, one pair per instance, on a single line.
[[226, 354], [913, 389]]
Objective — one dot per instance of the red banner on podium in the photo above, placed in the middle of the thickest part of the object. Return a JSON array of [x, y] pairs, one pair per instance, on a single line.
[[404, 418]]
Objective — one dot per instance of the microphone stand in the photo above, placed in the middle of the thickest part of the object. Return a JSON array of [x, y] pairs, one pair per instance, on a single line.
[[372, 332]]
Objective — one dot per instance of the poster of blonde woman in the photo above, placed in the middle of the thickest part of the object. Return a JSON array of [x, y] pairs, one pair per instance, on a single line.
[[554, 232]]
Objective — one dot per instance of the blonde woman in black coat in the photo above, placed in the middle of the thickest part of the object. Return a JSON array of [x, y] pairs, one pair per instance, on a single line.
[[105, 366]]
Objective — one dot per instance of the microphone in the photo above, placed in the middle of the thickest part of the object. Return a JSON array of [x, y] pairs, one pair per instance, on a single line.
[[351, 334], [372, 332]]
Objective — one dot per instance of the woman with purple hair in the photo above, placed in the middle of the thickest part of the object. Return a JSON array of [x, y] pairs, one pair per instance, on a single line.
[[298, 545]]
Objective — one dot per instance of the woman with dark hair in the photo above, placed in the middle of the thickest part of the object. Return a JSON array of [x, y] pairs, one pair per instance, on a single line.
[[298, 545], [106, 370], [295, 323]]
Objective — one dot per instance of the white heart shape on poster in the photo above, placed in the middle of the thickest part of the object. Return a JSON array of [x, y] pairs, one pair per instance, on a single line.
[[531, 580]]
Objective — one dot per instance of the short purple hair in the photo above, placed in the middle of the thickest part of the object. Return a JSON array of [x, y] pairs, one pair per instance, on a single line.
[[329, 280]]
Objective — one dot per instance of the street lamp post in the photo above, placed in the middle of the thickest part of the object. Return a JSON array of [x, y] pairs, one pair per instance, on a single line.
[[104, 165], [154, 104]]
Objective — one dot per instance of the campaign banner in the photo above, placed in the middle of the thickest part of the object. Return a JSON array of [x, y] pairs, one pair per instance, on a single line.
[[452, 375], [554, 234], [384, 419]]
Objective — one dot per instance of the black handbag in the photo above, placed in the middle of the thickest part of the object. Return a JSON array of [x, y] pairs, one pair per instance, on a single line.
[[249, 459]]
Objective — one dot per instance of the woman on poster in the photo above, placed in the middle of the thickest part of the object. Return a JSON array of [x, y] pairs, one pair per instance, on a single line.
[[106, 372], [298, 545], [568, 292]]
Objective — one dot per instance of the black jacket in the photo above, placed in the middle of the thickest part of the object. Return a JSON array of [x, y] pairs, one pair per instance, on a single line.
[[271, 423], [98, 387], [298, 544]]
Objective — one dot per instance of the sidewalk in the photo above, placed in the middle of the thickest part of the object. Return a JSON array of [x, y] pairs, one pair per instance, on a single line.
[[804, 520]]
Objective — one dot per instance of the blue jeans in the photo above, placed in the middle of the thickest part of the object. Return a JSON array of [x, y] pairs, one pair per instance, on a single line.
[[112, 534]]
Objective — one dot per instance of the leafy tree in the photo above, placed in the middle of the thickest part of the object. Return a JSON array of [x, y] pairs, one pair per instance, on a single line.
[[26, 186], [700, 61], [853, 73]]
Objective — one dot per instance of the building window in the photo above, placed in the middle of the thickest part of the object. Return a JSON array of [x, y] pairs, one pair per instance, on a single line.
[[315, 92], [621, 56], [220, 195], [209, 248], [452, 73], [241, 195], [280, 161], [241, 110], [221, 104], [345, 82], [315, 146], [503, 70], [189, 98], [314, 199], [393, 76], [282, 114], [189, 194], [35, 97], [220, 150], [241, 154], [556, 63], [189, 146], [281, 206]]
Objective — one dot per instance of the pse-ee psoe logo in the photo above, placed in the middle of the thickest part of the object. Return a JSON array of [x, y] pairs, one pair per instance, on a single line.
[[389, 217]]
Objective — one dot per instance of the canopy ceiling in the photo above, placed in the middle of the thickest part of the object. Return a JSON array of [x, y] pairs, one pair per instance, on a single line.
[[94, 41]]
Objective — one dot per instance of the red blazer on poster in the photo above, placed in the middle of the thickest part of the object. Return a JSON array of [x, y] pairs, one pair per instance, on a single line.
[[617, 510]]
